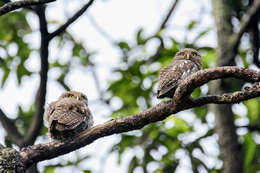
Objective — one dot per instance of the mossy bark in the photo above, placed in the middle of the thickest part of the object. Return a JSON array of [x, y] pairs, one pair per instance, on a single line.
[[10, 161]]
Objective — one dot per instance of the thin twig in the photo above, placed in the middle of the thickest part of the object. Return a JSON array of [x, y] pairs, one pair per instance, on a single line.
[[71, 20], [101, 30], [167, 17], [10, 6], [97, 83], [161, 27]]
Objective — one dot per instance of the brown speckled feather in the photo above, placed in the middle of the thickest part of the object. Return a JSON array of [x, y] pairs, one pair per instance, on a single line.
[[68, 116], [171, 75]]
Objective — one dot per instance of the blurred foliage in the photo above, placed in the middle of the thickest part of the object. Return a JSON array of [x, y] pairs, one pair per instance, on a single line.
[[73, 164], [159, 143], [17, 49], [154, 148]]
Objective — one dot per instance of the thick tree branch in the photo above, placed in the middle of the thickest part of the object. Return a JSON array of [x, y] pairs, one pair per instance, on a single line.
[[10, 6], [37, 122], [10, 128], [204, 76], [40, 152], [71, 20]]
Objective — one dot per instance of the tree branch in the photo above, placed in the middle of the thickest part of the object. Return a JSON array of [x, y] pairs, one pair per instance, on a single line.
[[203, 76], [40, 152], [245, 22], [167, 17], [10, 128], [235, 97], [37, 122], [157, 35], [101, 30], [11, 6], [71, 20]]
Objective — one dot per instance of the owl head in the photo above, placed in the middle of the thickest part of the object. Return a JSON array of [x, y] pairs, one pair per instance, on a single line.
[[189, 54], [76, 95]]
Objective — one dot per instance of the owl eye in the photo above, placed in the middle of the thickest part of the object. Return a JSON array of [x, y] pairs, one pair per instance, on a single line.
[[193, 53], [181, 54]]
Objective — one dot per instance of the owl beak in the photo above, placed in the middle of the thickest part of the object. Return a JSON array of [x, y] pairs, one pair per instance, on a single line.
[[188, 56]]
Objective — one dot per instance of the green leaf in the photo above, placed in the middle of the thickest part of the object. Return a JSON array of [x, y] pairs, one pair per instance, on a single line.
[[209, 59], [49, 169], [5, 76], [23, 121], [61, 80], [253, 107], [249, 151], [22, 71], [196, 93], [180, 126], [139, 38], [132, 165], [201, 112], [192, 24], [124, 45]]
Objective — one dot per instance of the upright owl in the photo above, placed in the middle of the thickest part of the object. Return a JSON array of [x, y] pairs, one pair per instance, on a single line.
[[68, 116], [186, 62]]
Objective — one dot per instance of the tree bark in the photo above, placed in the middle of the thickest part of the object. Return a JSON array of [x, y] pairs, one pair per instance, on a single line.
[[225, 128]]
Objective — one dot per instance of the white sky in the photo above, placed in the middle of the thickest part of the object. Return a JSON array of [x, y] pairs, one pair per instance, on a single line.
[[120, 19]]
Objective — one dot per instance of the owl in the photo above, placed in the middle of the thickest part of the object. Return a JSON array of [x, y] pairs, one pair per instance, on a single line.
[[68, 116], [186, 62]]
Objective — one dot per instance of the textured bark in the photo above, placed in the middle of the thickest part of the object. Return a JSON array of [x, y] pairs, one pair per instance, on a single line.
[[228, 42], [230, 149], [10, 161], [31, 155], [40, 152]]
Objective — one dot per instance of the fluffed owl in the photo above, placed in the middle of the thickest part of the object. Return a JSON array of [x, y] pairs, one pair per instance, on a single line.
[[68, 116], [186, 62]]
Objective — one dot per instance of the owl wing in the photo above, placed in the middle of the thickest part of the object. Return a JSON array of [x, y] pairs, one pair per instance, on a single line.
[[171, 75], [48, 111], [69, 115]]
